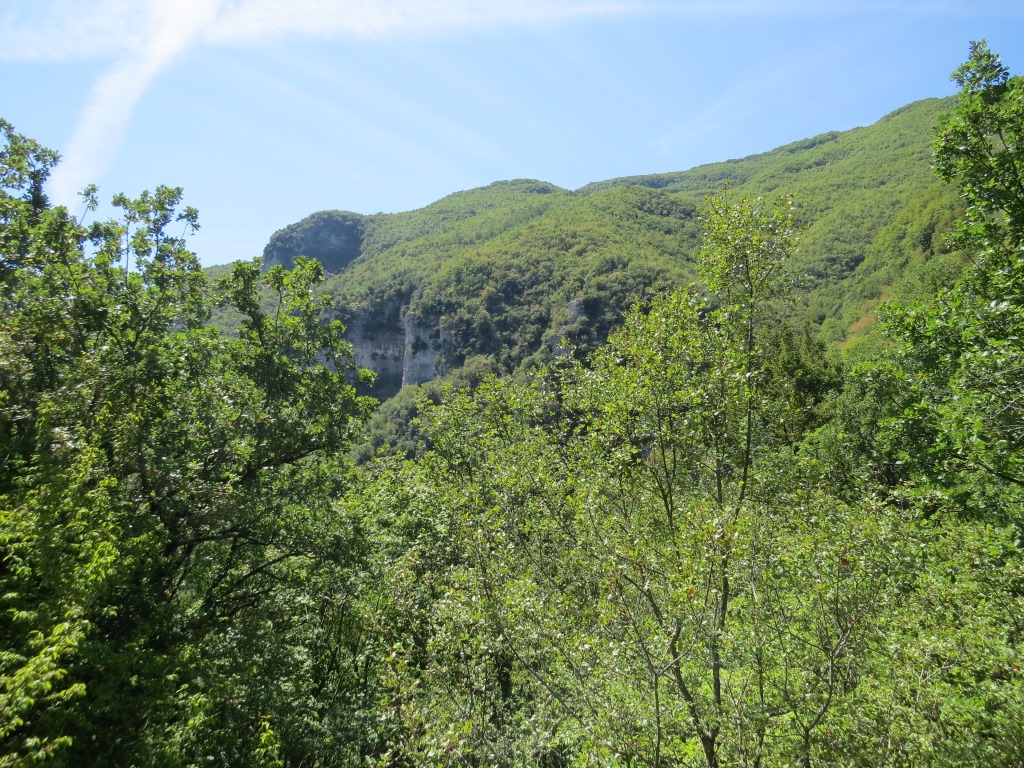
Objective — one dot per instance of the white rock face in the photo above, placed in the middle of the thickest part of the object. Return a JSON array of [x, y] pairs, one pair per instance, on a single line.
[[423, 346], [400, 348]]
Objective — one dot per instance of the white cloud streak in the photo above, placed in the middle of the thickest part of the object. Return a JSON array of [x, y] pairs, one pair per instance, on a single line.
[[257, 20], [144, 37], [69, 30], [172, 26]]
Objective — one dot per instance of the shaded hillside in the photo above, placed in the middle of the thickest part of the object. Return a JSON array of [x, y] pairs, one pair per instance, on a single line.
[[503, 273], [334, 238]]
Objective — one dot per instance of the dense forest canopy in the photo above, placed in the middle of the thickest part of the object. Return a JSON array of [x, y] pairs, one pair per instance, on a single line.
[[713, 540]]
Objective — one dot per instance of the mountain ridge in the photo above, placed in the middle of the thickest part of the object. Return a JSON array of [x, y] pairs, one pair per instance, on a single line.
[[506, 271]]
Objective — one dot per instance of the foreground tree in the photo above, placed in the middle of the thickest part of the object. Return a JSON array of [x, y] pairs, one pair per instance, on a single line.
[[660, 558], [163, 482], [743, 594], [968, 344], [642, 572]]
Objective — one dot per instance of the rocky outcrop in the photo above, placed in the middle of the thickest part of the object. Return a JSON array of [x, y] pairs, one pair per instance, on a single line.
[[334, 238], [424, 350], [396, 345], [378, 343], [399, 347]]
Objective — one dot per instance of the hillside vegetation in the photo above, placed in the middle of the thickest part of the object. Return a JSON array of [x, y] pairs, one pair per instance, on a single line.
[[509, 270]]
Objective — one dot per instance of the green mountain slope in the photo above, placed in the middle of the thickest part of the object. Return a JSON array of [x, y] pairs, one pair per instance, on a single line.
[[868, 200], [501, 274]]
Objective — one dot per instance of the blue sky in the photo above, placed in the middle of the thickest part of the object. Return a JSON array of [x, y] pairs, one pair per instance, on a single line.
[[268, 110]]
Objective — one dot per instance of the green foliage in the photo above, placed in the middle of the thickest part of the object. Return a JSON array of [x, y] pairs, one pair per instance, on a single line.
[[967, 344], [978, 147], [513, 274], [851, 187], [611, 526], [37, 637], [693, 550], [162, 483], [703, 543]]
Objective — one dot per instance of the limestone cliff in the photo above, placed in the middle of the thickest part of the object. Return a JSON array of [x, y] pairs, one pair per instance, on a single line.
[[399, 347]]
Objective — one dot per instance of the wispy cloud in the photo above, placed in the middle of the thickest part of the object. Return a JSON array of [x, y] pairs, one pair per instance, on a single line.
[[63, 30], [143, 37], [255, 20], [69, 30], [170, 27]]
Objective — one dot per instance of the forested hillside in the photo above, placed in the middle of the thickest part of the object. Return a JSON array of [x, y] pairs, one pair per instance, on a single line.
[[713, 539], [501, 275]]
